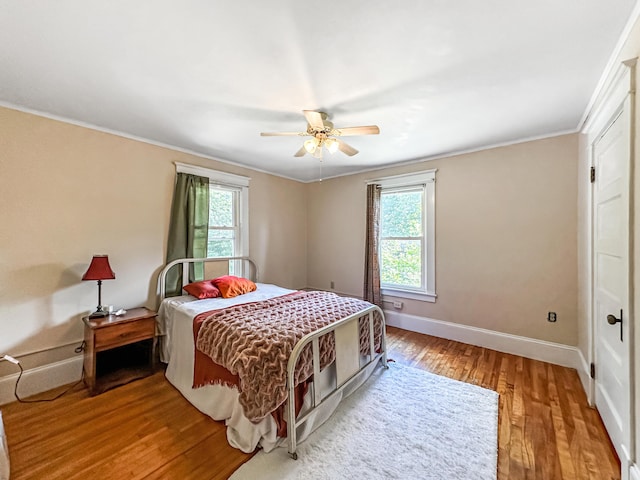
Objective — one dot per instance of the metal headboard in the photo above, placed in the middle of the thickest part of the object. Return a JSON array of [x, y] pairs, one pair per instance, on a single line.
[[162, 287]]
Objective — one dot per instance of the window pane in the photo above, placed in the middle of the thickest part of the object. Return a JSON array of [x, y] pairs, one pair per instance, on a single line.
[[215, 234], [401, 214], [221, 208], [220, 247], [400, 262]]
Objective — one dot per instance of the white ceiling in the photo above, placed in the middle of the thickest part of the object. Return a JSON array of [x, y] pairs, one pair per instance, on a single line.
[[207, 76]]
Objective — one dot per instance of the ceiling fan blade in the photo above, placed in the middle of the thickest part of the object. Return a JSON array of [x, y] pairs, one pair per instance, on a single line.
[[364, 130], [281, 134], [346, 149], [301, 152], [314, 119]]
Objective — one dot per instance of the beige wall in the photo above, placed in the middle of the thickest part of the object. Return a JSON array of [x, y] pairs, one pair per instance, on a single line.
[[68, 192], [278, 235], [506, 229]]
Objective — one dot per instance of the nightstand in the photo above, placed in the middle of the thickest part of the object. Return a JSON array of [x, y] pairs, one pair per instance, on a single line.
[[119, 349]]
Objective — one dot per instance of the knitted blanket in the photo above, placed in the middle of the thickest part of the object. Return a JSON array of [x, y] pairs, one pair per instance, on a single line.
[[254, 342]]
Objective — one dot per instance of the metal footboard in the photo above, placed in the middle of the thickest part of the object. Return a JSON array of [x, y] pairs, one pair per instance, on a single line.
[[348, 364]]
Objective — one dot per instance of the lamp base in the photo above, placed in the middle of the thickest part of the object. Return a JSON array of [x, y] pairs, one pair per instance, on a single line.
[[99, 314]]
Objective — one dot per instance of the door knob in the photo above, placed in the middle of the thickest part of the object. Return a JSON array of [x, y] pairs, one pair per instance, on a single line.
[[613, 320]]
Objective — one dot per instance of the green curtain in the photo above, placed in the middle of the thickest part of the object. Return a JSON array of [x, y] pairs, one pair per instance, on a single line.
[[188, 228]]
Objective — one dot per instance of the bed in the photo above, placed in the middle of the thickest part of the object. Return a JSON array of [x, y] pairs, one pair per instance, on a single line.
[[320, 367]]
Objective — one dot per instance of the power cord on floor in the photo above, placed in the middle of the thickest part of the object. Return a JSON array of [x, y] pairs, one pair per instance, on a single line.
[[81, 348], [9, 358]]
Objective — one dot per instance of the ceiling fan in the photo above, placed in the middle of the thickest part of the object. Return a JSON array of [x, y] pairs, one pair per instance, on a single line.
[[323, 135]]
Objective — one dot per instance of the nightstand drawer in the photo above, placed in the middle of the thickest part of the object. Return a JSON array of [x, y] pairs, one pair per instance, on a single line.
[[117, 335]]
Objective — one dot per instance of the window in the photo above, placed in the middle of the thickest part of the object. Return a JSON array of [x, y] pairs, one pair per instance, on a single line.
[[401, 237], [224, 224], [407, 236], [228, 213]]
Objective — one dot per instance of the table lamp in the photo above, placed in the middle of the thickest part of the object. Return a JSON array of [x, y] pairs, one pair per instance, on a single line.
[[99, 270]]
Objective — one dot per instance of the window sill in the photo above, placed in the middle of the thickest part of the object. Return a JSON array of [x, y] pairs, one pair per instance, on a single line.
[[423, 297]]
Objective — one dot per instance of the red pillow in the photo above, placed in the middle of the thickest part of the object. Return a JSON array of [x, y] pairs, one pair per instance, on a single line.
[[203, 289], [231, 286]]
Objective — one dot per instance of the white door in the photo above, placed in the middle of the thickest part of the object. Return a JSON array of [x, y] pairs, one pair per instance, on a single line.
[[611, 152]]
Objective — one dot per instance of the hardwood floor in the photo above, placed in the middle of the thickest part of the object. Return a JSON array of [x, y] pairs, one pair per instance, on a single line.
[[146, 430], [546, 429]]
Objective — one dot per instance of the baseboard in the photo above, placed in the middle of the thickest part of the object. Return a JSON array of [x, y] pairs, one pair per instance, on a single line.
[[584, 372], [41, 379], [550, 352]]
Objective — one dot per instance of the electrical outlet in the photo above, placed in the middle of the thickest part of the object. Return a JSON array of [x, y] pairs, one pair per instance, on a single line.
[[397, 305], [552, 317], [332, 285]]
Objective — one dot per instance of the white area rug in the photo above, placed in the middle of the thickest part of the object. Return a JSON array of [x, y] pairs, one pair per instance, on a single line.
[[402, 423]]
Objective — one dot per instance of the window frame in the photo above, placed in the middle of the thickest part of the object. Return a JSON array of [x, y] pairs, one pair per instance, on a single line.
[[425, 180], [228, 181]]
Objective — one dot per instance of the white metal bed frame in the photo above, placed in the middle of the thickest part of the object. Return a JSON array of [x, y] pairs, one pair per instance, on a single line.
[[347, 345]]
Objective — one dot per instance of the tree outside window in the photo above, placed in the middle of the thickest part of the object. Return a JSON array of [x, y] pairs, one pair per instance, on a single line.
[[223, 222], [402, 237]]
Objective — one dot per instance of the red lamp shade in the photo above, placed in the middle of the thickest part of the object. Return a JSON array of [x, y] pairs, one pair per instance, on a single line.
[[99, 269]]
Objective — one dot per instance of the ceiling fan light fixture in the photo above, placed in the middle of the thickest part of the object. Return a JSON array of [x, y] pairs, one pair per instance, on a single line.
[[321, 131], [311, 145], [331, 144]]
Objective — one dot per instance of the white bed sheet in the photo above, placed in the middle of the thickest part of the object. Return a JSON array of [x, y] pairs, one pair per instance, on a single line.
[[175, 326]]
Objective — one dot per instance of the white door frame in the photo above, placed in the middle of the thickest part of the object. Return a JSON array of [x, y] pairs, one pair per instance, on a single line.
[[619, 92]]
